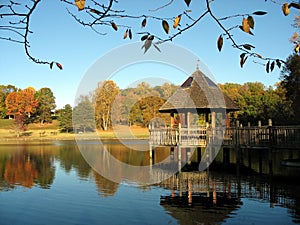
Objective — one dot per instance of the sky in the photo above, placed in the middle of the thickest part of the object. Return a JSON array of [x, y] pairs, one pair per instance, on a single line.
[[80, 50]]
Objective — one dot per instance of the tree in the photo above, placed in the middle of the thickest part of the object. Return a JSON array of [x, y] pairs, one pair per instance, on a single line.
[[105, 95], [290, 75], [46, 103], [296, 38], [21, 103], [256, 102], [16, 18], [83, 115], [146, 109], [65, 118], [4, 91]]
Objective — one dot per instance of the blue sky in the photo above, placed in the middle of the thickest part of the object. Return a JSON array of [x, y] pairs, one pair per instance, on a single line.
[[58, 37]]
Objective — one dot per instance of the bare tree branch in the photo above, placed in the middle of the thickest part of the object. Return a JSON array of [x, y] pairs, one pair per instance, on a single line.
[[16, 17]]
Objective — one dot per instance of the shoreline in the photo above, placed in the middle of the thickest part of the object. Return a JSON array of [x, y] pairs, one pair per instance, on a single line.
[[48, 135], [21, 140]]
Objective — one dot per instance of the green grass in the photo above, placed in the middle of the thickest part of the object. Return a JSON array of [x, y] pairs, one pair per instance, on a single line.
[[5, 123], [51, 131], [51, 126]]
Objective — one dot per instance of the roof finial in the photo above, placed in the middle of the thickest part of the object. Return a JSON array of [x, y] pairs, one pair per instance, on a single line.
[[197, 66]]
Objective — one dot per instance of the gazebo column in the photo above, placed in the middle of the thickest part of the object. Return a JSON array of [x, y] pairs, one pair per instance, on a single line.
[[213, 119], [188, 119], [172, 120], [227, 121]]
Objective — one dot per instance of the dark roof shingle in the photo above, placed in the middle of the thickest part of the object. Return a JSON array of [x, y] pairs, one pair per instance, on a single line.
[[198, 92]]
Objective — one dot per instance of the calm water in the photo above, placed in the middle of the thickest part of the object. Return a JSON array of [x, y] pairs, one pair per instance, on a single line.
[[51, 183]]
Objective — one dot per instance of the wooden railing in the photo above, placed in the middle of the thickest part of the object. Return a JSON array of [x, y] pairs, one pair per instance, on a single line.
[[267, 136]]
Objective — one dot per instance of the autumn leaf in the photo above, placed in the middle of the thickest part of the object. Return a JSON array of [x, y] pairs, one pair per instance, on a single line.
[[272, 66], [147, 45], [220, 43], [187, 2], [144, 22], [151, 37], [166, 26], [130, 34], [285, 9], [80, 4], [243, 59], [259, 13], [297, 48], [177, 21], [125, 34], [248, 46], [250, 21], [268, 67], [278, 63], [114, 26], [245, 26], [95, 11], [59, 66], [143, 38]]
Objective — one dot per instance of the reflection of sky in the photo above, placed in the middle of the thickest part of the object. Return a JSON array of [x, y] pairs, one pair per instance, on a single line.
[[259, 212], [73, 200], [58, 37]]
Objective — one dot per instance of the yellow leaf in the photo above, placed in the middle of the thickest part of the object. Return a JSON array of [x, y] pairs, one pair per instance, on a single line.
[[125, 34], [80, 4], [245, 26], [177, 21], [220, 43], [166, 26], [297, 48], [285, 9]]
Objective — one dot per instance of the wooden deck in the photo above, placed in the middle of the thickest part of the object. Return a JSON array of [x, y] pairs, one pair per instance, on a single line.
[[246, 137]]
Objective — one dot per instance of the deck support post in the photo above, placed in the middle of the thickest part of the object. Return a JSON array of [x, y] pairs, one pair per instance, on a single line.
[[270, 160], [249, 158], [179, 157], [226, 157], [259, 162], [198, 154], [151, 155]]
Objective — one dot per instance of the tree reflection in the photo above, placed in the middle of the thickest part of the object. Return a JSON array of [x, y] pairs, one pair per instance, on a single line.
[[105, 187], [26, 168], [20, 169]]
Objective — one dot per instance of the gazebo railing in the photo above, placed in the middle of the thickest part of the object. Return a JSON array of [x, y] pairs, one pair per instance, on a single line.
[[260, 136]]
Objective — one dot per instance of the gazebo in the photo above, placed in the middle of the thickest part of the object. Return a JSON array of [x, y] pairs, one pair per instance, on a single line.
[[195, 107], [199, 95]]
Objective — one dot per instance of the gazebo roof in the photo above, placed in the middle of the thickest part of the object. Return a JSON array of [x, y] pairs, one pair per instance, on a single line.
[[198, 92]]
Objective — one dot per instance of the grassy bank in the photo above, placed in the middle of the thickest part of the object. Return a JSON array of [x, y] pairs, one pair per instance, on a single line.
[[51, 132]]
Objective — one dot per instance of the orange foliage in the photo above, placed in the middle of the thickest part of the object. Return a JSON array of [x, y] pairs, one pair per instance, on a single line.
[[21, 103], [20, 171]]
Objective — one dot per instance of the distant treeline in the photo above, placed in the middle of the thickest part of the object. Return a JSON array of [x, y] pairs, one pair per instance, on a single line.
[[139, 105]]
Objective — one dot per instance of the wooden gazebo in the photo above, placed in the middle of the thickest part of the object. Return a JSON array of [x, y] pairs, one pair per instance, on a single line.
[[197, 97], [200, 95]]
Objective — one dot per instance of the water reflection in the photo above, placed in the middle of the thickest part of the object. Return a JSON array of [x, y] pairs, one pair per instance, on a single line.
[[21, 167], [208, 197]]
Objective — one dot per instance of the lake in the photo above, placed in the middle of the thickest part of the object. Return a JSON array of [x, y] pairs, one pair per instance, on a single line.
[[51, 183]]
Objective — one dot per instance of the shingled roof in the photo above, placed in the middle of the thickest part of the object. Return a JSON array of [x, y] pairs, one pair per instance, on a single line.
[[198, 92]]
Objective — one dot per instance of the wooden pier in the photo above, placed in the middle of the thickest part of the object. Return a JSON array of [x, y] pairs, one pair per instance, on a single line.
[[242, 137]]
